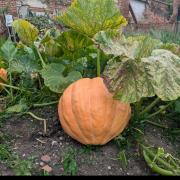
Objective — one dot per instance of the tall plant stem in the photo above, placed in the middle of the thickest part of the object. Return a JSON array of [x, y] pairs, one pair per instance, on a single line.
[[98, 62], [156, 124], [148, 108], [161, 110], [10, 86], [41, 58]]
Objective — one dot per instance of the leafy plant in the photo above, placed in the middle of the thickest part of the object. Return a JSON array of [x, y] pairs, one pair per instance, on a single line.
[[133, 75], [161, 162], [69, 162], [27, 32], [58, 82], [91, 16], [139, 70], [41, 22]]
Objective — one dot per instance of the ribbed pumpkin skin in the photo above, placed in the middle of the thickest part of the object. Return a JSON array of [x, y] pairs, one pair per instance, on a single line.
[[3, 75], [90, 115]]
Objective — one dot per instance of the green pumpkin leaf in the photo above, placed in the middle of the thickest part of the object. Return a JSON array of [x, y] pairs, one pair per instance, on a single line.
[[71, 41], [27, 32], [18, 108], [131, 79], [91, 16], [127, 80], [8, 51], [24, 61], [24, 64], [131, 47], [54, 78]]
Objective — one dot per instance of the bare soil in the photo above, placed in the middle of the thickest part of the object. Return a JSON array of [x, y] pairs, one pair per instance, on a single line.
[[27, 140]]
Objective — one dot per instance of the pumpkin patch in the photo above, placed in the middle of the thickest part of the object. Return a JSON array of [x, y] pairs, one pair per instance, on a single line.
[[87, 85]]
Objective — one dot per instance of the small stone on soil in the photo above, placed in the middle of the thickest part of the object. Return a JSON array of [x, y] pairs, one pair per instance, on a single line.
[[47, 168], [54, 143], [42, 163], [61, 138], [46, 158]]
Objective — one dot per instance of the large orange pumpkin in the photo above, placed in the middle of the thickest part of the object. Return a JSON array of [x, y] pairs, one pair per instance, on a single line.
[[89, 114], [3, 75]]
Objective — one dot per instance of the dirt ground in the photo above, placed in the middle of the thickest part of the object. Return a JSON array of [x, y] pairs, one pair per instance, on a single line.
[[27, 141]]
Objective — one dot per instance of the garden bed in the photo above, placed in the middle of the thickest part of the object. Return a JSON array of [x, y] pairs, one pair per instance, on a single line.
[[26, 139]]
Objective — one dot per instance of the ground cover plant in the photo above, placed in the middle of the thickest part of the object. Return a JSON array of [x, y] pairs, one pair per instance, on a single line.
[[137, 71]]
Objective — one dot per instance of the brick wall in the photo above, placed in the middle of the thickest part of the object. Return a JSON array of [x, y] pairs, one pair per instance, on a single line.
[[10, 4], [54, 6], [124, 7]]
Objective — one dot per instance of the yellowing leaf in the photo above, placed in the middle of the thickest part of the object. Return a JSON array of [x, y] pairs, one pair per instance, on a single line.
[[91, 16], [27, 32]]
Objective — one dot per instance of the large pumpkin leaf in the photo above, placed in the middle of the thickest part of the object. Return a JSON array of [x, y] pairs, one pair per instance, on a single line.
[[131, 47], [131, 79], [24, 61], [71, 41], [127, 80], [8, 51], [115, 45], [91, 16], [55, 79], [27, 32], [24, 64]]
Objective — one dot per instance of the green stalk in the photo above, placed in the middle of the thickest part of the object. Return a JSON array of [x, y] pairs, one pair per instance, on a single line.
[[40, 56], [10, 86], [45, 104], [156, 124], [156, 168], [7, 91], [161, 110], [11, 89], [152, 154], [98, 63], [148, 108], [138, 107], [176, 131]]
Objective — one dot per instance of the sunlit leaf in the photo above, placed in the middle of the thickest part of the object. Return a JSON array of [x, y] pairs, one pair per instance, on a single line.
[[131, 47], [91, 16], [27, 32], [71, 41], [158, 74]]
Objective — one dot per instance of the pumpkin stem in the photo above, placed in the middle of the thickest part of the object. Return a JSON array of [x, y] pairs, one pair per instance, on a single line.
[[148, 108], [160, 111]]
